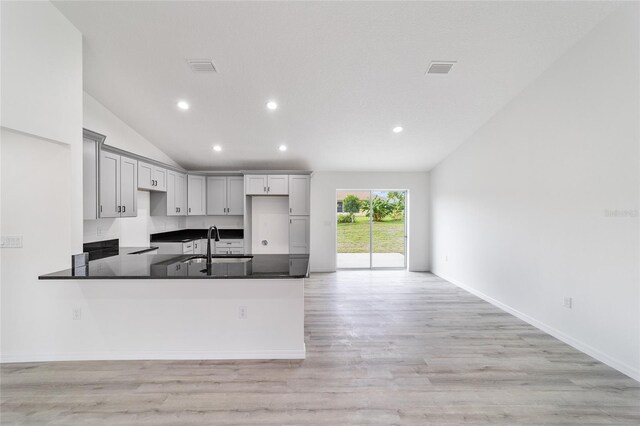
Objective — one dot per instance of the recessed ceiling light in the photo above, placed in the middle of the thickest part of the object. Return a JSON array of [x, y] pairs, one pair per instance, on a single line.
[[272, 105], [217, 148], [397, 129], [282, 147], [183, 105]]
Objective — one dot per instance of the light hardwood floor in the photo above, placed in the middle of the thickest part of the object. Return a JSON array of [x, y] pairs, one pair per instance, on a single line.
[[384, 347]]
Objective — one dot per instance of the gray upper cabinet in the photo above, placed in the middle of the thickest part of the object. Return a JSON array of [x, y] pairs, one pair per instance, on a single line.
[[217, 195], [197, 195], [174, 201], [118, 185], [128, 187], [151, 177], [277, 184], [225, 195], [267, 184], [177, 194], [256, 184], [90, 206], [299, 234], [235, 195], [109, 185], [299, 195]]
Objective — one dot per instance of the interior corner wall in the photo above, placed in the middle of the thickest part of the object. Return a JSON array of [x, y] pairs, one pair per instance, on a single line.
[[542, 202], [324, 185]]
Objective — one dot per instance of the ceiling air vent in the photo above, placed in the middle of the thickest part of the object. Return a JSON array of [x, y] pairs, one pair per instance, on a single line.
[[440, 67], [201, 65]]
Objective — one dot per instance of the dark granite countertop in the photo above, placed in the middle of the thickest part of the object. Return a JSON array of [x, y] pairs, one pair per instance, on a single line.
[[185, 235], [171, 266]]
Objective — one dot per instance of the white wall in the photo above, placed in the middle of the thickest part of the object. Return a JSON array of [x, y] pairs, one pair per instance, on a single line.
[[41, 85], [521, 213], [41, 163], [323, 212], [132, 231]]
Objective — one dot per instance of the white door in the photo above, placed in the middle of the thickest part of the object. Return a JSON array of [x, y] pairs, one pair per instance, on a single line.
[[299, 234], [128, 187], [278, 184], [235, 195], [256, 184], [159, 179], [216, 195], [109, 185], [145, 176], [197, 195], [299, 188]]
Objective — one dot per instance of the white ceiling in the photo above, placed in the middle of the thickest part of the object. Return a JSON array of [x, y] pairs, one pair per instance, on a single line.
[[343, 73]]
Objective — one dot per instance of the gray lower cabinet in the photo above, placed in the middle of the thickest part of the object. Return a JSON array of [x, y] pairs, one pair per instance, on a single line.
[[298, 234], [225, 195], [118, 185], [197, 195]]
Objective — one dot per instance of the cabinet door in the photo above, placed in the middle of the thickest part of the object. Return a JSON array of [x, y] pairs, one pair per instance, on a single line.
[[278, 184], [145, 176], [128, 187], [172, 196], [90, 205], [197, 195], [160, 179], [235, 195], [216, 195], [109, 185], [299, 234], [256, 184], [299, 188], [181, 194]]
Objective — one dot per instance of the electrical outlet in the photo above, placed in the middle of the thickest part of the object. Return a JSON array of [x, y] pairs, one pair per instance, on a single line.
[[11, 242], [242, 312], [77, 314], [99, 230], [568, 302]]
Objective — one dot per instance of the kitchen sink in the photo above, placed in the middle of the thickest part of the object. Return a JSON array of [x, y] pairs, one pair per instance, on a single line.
[[224, 259]]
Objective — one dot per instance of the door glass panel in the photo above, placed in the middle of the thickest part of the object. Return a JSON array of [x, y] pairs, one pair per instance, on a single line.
[[353, 229], [388, 228]]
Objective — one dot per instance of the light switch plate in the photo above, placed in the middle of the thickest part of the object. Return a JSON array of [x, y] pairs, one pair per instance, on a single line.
[[11, 241]]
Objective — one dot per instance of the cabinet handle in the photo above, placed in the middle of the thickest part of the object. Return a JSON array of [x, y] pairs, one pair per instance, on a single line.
[[265, 189], [268, 189], [100, 208], [124, 208], [176, 210], [290, 222], [289, 209], [119, 209], [189, 209]]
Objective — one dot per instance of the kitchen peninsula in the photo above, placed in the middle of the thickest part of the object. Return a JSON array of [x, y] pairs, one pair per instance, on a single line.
[[168, 306]]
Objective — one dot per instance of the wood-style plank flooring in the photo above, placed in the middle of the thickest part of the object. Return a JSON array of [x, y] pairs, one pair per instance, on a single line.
[[383, 347]]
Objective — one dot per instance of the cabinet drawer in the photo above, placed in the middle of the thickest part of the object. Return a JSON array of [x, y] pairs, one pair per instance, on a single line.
[[187, 247], [230, 244]]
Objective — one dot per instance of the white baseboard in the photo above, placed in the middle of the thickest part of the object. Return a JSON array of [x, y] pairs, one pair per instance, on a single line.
[[581, 346], [162, 355]]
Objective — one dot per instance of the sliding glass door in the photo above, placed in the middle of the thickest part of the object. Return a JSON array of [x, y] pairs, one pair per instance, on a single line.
[[371, 229]]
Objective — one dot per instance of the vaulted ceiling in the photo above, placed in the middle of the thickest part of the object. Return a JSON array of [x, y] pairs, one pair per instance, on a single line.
[[344, 74]]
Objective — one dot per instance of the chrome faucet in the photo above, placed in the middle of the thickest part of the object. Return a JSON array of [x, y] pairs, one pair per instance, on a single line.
[[216, 238]]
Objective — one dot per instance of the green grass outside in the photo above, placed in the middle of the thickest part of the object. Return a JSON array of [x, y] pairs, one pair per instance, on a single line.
[[388, 236]]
